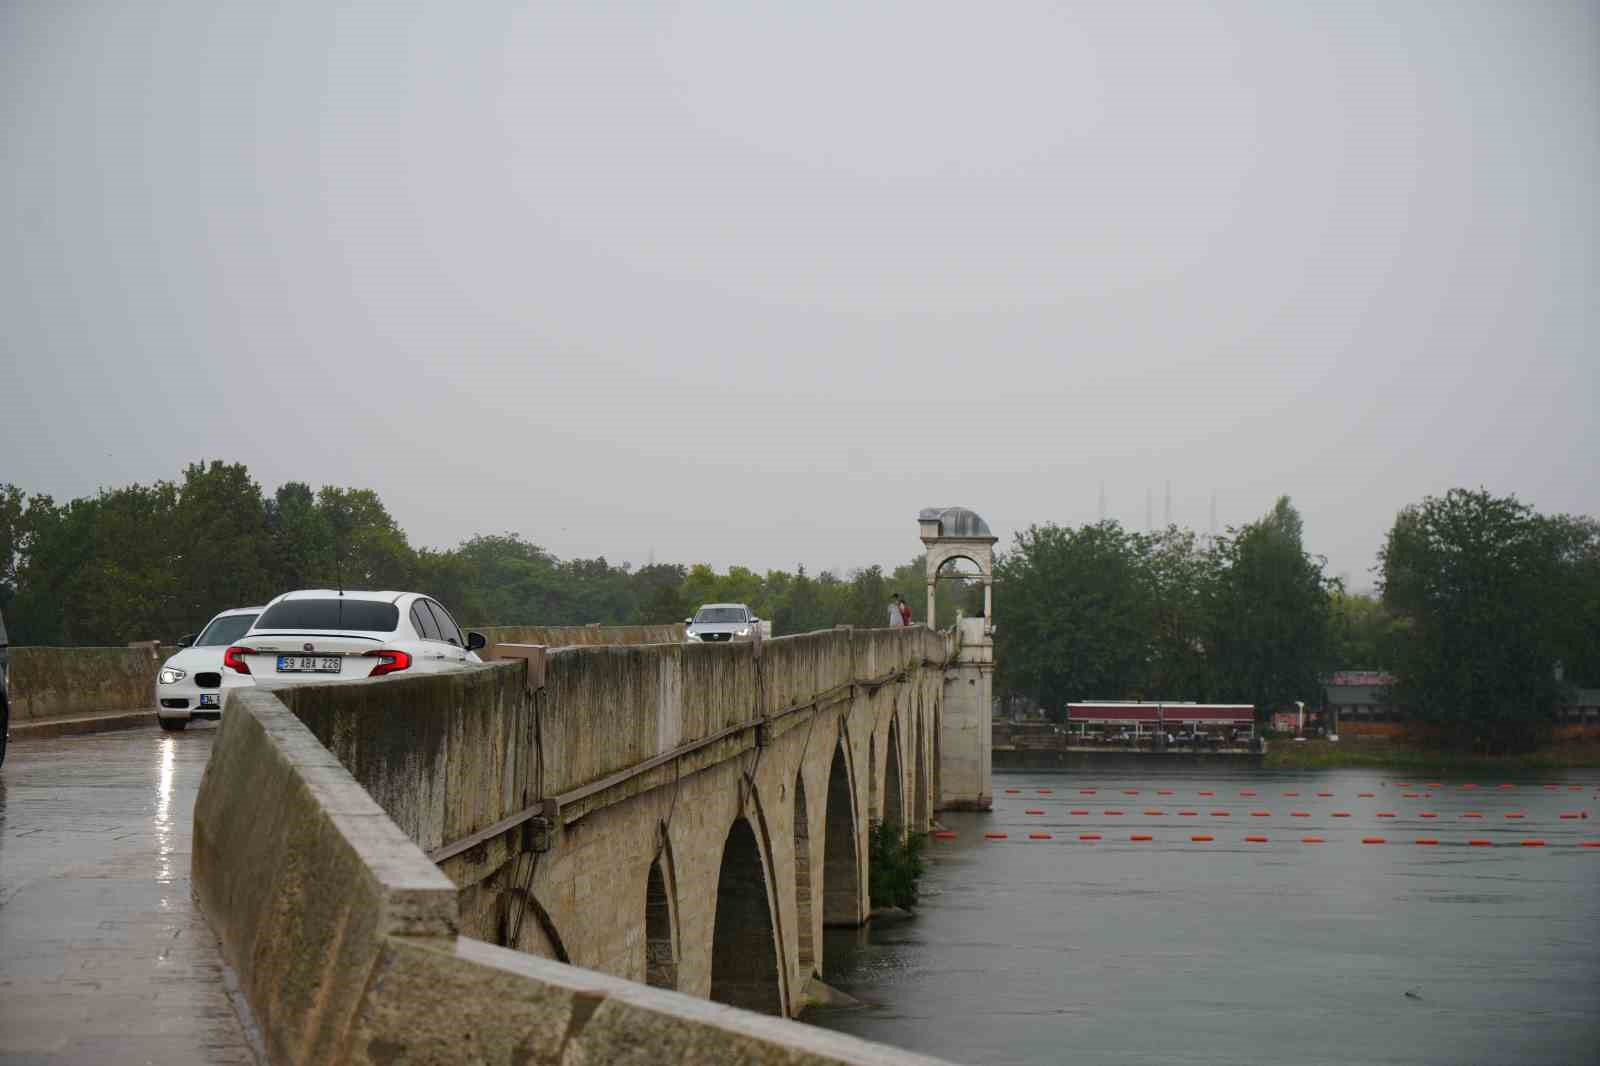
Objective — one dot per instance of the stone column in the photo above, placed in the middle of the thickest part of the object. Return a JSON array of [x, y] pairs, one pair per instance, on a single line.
[[932, 602]]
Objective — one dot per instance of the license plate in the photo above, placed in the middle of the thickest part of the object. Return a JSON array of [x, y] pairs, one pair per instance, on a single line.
[[209, 699], [308, 664]]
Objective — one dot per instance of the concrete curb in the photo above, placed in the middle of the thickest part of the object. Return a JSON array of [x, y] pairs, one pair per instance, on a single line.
[[78, 726]]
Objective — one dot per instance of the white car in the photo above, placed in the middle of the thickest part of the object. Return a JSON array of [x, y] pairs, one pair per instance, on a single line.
[[192, 683], [321, 635], [720, 622]]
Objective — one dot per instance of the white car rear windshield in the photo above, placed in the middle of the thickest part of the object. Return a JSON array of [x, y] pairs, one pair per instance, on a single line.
[[224, 631], [367, 616], [720, 614]]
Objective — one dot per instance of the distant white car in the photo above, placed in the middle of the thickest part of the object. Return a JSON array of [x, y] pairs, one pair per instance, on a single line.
[[321, 635], [192, 683], [716, 622]]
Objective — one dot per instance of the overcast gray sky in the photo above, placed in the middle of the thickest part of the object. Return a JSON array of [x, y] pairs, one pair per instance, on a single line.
[[753, 283]]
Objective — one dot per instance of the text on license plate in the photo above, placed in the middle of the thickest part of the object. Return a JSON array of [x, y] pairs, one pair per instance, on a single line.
[[308, 664]]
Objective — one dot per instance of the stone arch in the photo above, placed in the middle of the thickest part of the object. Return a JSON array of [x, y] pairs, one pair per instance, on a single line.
[[802, 879], [894, 786], [661, 923], [841, 862], [744, 945], [538, 937]]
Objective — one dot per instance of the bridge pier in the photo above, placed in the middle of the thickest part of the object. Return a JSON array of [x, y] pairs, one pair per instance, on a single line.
[[966, 760]]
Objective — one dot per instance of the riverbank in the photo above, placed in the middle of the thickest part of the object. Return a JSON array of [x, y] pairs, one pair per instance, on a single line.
[[1356, 752]]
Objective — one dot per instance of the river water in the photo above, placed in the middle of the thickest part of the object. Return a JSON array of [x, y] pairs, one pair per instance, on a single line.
[[1175, 951]]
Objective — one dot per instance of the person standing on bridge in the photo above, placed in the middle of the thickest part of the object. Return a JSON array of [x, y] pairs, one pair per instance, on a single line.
[[896, 619], [905, 610]]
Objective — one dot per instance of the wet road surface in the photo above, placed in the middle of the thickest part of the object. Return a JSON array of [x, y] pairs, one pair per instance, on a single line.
[[104, 955], [1044, 947]]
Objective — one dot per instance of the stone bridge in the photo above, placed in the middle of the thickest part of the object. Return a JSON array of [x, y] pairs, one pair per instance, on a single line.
[[685, 816]]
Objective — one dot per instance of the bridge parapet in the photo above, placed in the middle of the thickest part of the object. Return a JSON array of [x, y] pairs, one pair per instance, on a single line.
[[345, 937], [647, 766]]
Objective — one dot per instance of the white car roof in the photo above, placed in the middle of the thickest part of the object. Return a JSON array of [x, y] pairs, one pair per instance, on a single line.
[[349, 594], [705, 606], [238, 610]]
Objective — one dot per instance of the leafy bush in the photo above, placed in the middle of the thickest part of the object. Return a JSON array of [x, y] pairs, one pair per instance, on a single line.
[[893, 865]]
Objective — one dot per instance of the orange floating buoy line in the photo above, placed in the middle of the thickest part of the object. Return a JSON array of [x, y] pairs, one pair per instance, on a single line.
[[1261, 814], [1589, 843], [1473, 814], [1208, 793], [1374, 840], [1411, 795], [1163, 791], [1325, 795], [1247, 792], [1291, 793], [1040, 836], [1087, 791], [1299, 814], [1221, 814], [1187, 814], [1034, 810], [1046, 791], [1429, 842], [1469, 786], [1312, 840], [1340, 814], [1366, 795], [1384, 814], [944, 834], [1088, 836], [1433, 784], [994, 836], [1077, 810], [1114, 814], [1202, 838], [1573, 814], [1427, 814], [1140, 836], [1130, 792], [1508, 786], [1480, 843], [1574, 788], [1255, 840], [1013, 791], [1515, 814], [1533, 843], [1155, 814]]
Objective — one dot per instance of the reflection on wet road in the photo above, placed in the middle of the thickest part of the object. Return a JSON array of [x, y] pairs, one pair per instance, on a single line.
[[104, 957], [1228, 951]]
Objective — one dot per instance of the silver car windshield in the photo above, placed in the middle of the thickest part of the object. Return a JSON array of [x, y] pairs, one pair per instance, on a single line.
[[720, 614], [223, 631]]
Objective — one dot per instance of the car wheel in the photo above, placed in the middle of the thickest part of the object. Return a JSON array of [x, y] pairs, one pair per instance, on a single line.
[[173, 725]]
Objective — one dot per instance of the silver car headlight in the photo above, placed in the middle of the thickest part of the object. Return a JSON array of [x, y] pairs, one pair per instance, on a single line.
[[171, 675]]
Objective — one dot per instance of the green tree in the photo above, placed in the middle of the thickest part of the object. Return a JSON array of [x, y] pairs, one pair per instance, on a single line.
[[1079, 614], [1271, 613], [1479, 581]]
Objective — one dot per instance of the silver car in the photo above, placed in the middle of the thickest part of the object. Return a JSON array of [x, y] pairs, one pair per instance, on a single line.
[[720, 622]]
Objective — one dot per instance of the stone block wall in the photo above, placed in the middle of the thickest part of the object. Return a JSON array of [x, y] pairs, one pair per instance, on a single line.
[[63, 682]]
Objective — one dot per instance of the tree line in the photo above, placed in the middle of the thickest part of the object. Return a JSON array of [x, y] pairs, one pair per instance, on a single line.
[[1486, 612], [156, 561], [1487, 615]]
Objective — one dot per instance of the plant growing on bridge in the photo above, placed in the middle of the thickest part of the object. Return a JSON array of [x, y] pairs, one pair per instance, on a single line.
[[894, 865]]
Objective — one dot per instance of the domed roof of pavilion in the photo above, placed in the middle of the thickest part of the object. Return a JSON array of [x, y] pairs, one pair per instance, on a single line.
[[956, 522]]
